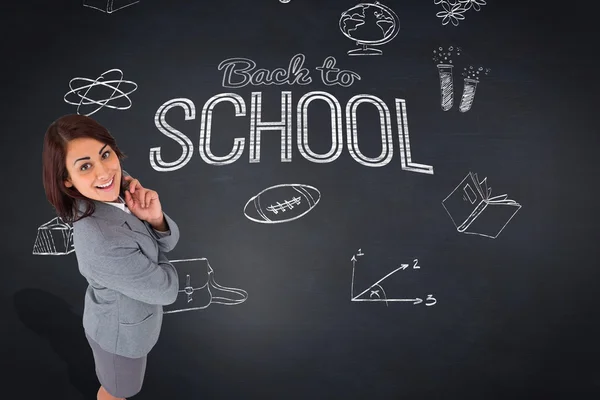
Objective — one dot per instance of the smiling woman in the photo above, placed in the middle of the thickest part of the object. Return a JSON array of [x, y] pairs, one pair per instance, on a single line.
[[121, 235], [78, 158], [96, 177]]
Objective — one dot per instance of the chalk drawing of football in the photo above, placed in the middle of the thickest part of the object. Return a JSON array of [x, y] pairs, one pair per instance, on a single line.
[[282, 203]]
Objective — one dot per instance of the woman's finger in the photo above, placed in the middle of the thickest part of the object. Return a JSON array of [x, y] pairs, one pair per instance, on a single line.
[[144, 198], [134, 184], [139, 196], [129, 200], [149, 196]]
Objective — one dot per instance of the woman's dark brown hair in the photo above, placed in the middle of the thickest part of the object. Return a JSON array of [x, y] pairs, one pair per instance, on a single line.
[[54, 170]]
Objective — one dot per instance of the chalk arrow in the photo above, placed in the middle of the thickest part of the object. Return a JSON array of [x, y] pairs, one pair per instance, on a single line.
[[353, 259], [403, 266], [414, 301]]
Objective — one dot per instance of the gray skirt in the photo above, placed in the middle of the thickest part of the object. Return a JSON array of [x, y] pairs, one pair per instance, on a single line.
[[120, 376]]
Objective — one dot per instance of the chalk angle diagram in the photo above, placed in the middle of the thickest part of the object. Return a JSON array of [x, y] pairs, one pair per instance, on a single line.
[[473, 211], [109, 6], [54, 238], [471, 78], [377, 291], [282, 203], [369, 24], [104, 91], [198, 288]]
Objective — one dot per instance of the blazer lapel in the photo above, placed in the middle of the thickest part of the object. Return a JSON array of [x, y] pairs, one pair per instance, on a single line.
[[126, 225], [121, 218]]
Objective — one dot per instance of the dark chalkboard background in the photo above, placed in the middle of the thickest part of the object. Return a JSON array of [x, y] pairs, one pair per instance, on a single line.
[[515, 317]]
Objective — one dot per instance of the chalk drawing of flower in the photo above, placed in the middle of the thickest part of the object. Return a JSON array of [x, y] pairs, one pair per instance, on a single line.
[[476, 4], [451, 13]]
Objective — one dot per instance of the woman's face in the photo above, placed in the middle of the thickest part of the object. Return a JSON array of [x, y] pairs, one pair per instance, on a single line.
[[92, 164]]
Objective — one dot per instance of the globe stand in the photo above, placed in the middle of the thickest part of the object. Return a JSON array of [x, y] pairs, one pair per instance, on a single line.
[[365, 50]]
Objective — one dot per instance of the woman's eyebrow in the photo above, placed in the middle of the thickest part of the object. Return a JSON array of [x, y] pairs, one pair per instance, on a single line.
[[87, 158]]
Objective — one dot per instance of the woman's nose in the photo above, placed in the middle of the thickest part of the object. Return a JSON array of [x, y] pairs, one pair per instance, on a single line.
[[101, 172]]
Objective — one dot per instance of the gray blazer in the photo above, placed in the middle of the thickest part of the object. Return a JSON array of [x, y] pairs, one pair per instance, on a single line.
[[130, 278]]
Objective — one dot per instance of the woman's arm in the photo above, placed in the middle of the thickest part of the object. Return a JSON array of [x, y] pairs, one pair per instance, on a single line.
[[145, 204], [167, 240], [116, 262]]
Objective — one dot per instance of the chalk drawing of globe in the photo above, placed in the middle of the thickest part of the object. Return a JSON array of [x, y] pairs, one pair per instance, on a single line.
[[369, 24]]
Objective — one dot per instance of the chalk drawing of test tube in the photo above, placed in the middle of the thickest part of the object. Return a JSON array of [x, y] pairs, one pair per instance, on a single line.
[[443, 60], [471, 80], [468, 94], [446, 86]]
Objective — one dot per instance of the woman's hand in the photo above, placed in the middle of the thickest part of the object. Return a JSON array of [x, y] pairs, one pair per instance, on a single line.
[[142, 202]]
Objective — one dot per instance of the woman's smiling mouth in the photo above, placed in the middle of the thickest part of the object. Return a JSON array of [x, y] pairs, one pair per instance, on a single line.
[[108, 185]]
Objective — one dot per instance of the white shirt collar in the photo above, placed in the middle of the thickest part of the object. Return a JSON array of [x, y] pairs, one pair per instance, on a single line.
[[120, 204]]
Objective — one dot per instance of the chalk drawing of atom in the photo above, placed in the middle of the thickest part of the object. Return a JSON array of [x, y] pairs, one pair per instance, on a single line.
[[108, 90]]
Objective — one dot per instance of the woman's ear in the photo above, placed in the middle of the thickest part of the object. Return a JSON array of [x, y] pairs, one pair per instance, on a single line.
[[68, 183]]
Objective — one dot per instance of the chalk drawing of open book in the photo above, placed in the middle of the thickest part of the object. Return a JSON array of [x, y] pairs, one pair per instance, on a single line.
[[54, 238], [475, 212], [377, 291], [198, 288], [109, 6]]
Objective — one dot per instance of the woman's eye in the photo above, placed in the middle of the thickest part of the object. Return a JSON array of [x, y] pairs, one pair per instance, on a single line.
[[106, 153], [84, 167]]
